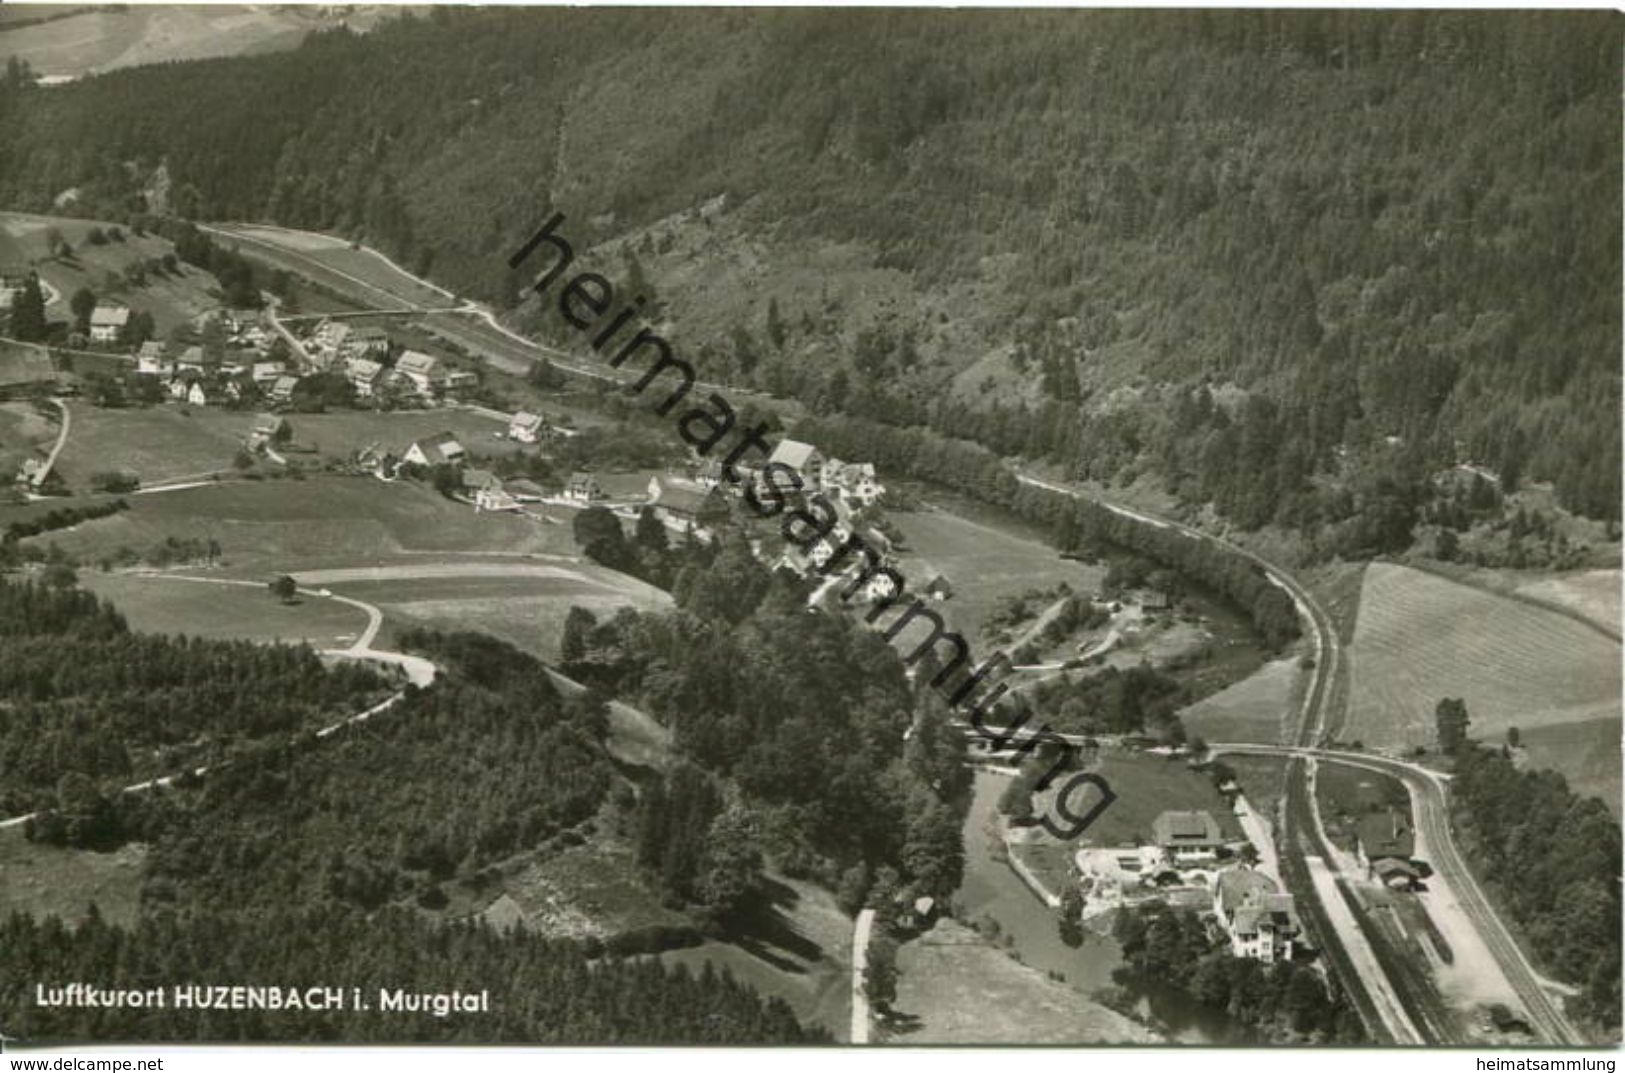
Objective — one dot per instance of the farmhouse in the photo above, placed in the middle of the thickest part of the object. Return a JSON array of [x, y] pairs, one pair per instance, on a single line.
[[1156, 600], [489, 494], [423, 370], [459, 382], [526, 427], [1187, 837], [106, 321], [440, 449], [1262, 922], [191, 359], [330, 335], [681, 503], [801, 457], [583, 487], [268, 428]]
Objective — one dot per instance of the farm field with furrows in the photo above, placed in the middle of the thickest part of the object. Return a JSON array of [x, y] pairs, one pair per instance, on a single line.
[[1420, 638]]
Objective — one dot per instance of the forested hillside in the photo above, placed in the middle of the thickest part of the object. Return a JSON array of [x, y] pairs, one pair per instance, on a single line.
[[1289, 262], [82, 699]]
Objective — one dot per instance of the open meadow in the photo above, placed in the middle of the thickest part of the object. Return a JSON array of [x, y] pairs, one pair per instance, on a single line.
[[157, 444], [163, 605], [171, 298], [1421, 638], [955, 987], [347, 268], [289, 525], [1260, 707], [45, 881], [984, 562]]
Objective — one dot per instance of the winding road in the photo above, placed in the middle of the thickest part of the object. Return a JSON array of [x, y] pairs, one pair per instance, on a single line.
[[1314, 872]]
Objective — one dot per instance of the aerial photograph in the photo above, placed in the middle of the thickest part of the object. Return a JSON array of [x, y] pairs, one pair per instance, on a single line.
[[538, 526]]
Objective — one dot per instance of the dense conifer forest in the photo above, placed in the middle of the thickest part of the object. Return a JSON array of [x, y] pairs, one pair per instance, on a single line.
[[1553, 858], [83, 698], [541, 991], [1393, 232]]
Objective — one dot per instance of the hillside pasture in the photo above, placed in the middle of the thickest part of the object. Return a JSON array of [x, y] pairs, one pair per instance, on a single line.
[[171, 298], [1593, 594], [984, 563], [376, 277], [1420, 638], [1259, 708], [93, 40], [329, 520], [219, 612], [157, 444]]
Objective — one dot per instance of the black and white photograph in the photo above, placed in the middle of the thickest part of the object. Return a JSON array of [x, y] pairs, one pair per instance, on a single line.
[[810, 527]]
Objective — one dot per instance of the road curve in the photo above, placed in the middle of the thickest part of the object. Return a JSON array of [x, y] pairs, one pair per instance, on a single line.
[[1432, 810]]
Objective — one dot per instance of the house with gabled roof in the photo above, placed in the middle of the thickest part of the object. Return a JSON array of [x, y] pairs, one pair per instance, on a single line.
[[364, 374], [681, 503], [1187, 836], [107, 320], [804, 458], [440, 449], [1262, 922], [583, 488]]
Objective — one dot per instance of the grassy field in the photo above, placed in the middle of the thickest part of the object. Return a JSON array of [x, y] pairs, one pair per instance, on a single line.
[[171, 299], [1258, 708], [984, 560], [159, 605], [1421, 638], [1594, 594], [955, 987], [1345, 794], [157, 444], [1262, 780], [46, 880], [798, 948], [321, 521], [1146, 786], [379, 277], [93, 41]]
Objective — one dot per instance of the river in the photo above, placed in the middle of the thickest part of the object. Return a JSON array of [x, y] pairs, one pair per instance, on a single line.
[[992, 889]]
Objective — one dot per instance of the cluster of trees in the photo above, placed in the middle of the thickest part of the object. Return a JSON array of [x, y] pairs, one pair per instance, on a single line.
[[383, 813], [1112, 701], [84, 695], [704, 850], [542, 991], [1553, 860], [61, 518], [1284, 1002], [804, 714], [651, 553]]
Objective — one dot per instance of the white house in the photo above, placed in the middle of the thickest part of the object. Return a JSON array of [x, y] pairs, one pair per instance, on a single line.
[[149, 360], [489, 494], [1262, 922], [1187, 837], [364, 374], [583, 488], [422, 369], [268, 372], [526, 427], [196, 395], [106, 321], [367, 341], [282, 389]]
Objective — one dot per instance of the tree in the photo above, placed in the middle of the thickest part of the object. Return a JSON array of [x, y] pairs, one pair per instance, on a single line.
[[83, 304], [1450, 717], [775, 324], [28, 312], [284, 588], [1514, 737], [576, 639], [60, 576], [880, 972], [651, 532], [599, 534]]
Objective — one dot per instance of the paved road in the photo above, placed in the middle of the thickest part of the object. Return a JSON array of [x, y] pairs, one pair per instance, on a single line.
[[860, 961], [56, 448]]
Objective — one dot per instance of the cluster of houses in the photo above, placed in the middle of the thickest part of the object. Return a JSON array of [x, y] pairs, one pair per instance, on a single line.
[[360, 353], [852, 483], [1188, 862]]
